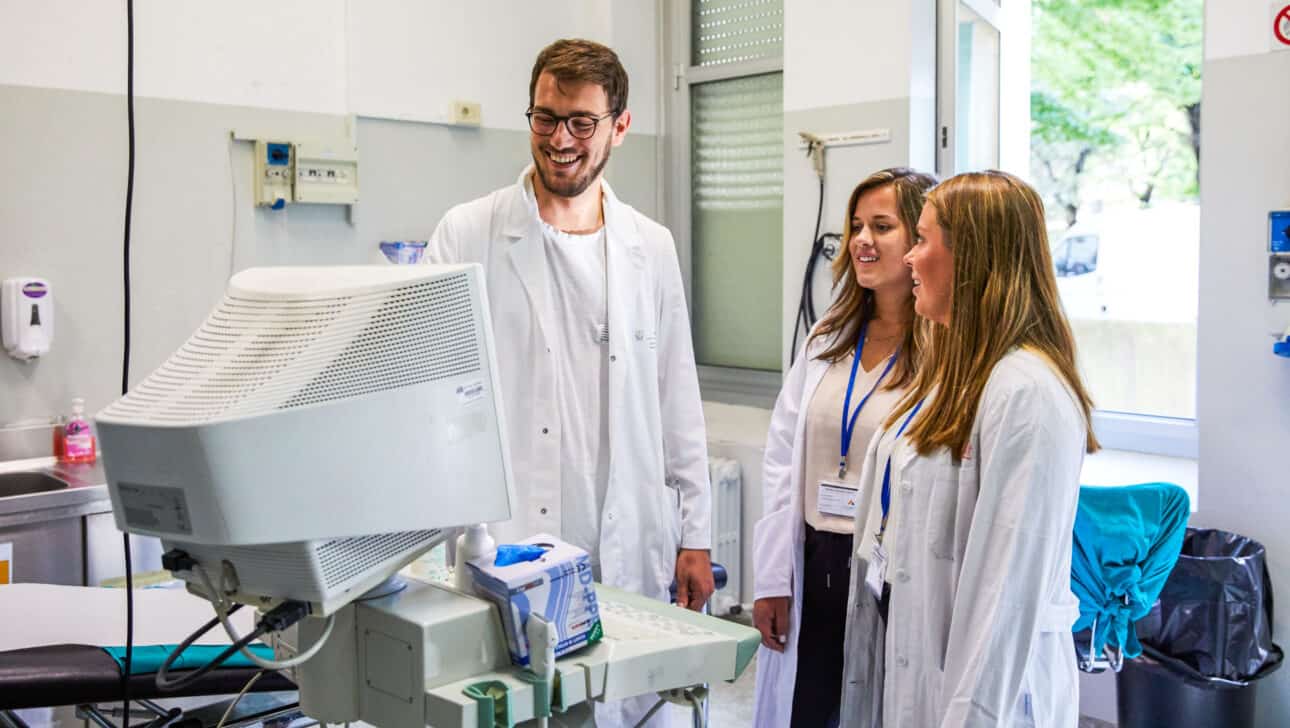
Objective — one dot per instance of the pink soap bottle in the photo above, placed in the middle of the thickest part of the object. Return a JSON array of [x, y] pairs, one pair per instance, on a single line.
[[78, 439]]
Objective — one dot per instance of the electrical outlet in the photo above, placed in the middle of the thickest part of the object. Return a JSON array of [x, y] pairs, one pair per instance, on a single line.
[[466, 113], [1279, 276]]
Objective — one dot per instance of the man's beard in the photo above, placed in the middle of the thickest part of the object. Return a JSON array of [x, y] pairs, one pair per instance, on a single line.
[[577, 185]]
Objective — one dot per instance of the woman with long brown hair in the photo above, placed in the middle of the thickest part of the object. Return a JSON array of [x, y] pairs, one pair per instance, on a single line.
[[857, 363], [961, 607]]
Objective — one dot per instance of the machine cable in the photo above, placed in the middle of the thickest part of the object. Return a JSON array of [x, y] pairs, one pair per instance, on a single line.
[[164, 682], [229, 711], [223, 610], [275, 620]]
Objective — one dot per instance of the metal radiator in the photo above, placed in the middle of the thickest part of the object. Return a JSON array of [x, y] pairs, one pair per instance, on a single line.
[[727, 549]]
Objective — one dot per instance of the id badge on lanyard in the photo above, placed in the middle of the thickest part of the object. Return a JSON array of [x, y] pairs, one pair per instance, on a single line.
[[837, 498], [876, 574]]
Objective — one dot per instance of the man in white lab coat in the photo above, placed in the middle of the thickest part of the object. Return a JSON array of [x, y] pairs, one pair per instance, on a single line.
[[601, 393]]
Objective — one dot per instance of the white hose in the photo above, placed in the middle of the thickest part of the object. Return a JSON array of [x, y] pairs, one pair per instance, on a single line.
[[221, 611]]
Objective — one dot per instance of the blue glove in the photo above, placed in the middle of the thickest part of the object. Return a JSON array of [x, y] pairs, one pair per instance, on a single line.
[[514, 553]]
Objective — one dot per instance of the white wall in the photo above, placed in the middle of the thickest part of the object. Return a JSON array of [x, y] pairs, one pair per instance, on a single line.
[[1235, 28], [402, 59], [281, 55], [839, 52], [1242, 389], [409, 59]]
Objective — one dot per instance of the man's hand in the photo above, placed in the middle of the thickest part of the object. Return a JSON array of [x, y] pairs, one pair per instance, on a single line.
[[770, 617], [693, 579]]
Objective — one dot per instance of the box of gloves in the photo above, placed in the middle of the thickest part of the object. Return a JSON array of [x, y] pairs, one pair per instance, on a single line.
[[546, 576]]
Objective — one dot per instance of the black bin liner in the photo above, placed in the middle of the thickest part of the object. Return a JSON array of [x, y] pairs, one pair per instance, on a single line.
[[1156, 691], [1215, 611], [1206, 641]]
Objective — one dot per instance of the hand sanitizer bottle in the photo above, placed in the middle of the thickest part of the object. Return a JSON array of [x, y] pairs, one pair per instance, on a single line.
[[78, 440]]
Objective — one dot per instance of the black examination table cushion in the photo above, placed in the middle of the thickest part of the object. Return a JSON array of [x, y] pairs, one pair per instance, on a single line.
[[38, 677]]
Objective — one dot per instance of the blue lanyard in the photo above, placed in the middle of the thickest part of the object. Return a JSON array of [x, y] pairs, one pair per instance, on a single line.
[[886, 476], [849, 424]]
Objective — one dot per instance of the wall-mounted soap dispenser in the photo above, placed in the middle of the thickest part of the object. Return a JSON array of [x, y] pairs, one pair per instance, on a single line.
[[26, 317]]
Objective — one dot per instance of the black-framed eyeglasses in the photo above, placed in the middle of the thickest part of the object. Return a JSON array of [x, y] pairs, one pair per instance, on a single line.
[[581, 126]]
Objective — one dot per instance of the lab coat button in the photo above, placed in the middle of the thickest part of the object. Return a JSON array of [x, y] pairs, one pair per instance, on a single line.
[[544, 431], [542, 511], [905, 487], [613, 358], [901, 661], [902, 576]]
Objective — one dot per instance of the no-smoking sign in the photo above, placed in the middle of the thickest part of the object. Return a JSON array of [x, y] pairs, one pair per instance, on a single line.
[[1281, 27]]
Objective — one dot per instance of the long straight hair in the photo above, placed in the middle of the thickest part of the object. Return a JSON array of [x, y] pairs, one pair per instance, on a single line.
[[1004, 296], [854, 305]]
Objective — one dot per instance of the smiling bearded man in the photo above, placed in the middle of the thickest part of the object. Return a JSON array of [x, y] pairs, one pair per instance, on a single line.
[[600, 389]]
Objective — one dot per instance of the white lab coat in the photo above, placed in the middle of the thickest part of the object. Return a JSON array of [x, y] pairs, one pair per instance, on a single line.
[[980, 613], [780, 535], [658, 496]]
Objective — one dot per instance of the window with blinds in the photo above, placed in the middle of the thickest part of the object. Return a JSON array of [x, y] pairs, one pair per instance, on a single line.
[[732, 31], [737, 211]]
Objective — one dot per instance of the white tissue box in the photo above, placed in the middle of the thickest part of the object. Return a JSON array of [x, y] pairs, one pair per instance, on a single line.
[[558, 586]]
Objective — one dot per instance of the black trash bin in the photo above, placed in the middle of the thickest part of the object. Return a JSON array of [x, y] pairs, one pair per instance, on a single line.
[[1154, 691], [1207, 641]]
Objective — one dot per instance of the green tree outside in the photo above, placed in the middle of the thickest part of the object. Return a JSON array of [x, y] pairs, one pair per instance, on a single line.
[[1115, 102]]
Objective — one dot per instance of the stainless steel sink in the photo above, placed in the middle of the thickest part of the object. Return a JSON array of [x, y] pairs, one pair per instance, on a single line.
[[25, 483]]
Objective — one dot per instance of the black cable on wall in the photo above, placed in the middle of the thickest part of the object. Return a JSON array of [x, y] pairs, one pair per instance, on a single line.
[[821, 247], [125, 353]]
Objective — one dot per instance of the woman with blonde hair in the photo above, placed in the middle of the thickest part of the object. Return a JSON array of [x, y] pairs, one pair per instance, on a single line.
[[961, 607], [856, 365]]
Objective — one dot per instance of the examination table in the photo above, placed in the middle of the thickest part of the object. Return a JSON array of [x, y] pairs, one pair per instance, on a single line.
[[51, 639]]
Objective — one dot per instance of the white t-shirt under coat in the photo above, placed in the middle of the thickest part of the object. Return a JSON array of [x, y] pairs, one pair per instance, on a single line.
[[576, 272]]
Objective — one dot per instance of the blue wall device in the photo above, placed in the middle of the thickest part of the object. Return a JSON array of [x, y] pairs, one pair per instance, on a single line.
[[1279, 231]]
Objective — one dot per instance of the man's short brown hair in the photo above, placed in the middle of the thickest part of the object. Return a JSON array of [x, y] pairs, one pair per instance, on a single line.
[[586, 61]]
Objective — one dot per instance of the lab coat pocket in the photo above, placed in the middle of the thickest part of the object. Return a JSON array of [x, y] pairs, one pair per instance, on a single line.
[[646, 340], [1050, 690], [942, 507]]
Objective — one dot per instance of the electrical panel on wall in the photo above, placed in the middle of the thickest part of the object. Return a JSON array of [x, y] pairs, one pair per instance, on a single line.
[[274, 163], [1279, 280], [326, 172], [319, 172]]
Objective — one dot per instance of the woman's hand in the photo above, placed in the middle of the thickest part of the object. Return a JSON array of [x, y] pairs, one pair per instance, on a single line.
[[770, 617]]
